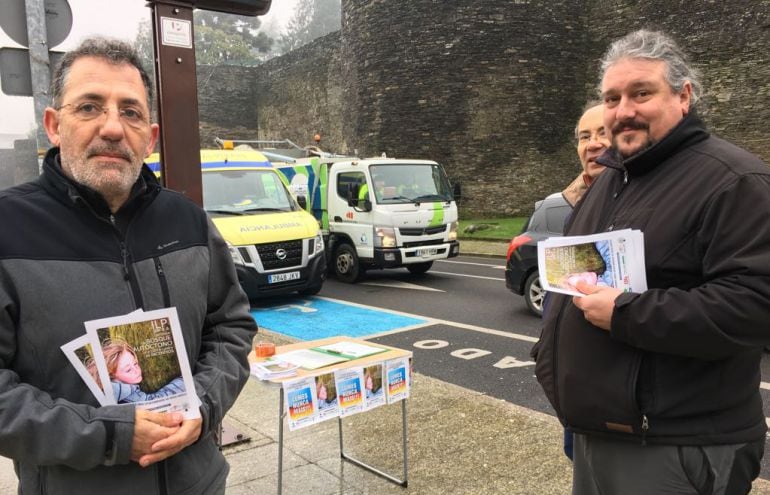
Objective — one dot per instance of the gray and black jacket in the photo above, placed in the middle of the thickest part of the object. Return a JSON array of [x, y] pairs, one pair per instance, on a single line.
[[680, 364], [64, 259]]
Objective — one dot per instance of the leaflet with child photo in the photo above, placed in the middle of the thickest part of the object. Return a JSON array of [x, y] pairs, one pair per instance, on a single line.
[[142, 357], [611, 259]]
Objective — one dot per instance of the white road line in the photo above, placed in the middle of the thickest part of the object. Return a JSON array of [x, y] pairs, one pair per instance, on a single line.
[[764, 385], [499, 267], [466, 275], [399, 285], [432, 321]]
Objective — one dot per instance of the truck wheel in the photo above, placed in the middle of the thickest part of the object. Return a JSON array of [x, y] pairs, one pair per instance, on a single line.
[[419, 268], [346, 264], [534, 293]]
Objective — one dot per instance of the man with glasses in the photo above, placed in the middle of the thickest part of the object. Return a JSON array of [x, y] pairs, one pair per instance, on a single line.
[[96, 236]]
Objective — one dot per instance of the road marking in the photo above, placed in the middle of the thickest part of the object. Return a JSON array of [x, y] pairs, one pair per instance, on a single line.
[[499, 267], [433, 321], [764, 385], [466, 275], [396, 284]]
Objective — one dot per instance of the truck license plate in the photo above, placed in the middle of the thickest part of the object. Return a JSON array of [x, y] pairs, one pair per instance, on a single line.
[[282, 277], [424, 253]]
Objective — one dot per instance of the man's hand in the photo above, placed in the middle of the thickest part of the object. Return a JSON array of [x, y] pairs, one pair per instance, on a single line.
[[598, 303], [185, 435], [149, 429]]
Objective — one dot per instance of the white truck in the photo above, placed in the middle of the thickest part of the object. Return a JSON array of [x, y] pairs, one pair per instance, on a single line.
[[376, 212]]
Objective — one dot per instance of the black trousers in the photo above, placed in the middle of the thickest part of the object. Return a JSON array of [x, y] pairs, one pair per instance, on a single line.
[[610, 467]]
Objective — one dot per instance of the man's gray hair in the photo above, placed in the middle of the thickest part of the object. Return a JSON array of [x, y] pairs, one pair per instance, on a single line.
[[114, 51], [588, 106], [654, 45]]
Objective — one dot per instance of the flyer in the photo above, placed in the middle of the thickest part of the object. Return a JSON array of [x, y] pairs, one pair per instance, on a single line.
[[300, 400], [397, 379], [612, 259], [143, 358], [374, 392], [326, 395], [350, 390], [80, 353]]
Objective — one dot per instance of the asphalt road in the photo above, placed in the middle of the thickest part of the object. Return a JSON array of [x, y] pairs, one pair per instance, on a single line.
[[463, 326]]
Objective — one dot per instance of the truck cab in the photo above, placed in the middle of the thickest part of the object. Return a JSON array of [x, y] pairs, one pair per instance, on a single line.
[[275, 244], [378, 213]]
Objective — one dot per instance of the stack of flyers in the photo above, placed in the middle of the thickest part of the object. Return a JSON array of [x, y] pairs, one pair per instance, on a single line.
[[273, 368], [138, 358], [612, 259]]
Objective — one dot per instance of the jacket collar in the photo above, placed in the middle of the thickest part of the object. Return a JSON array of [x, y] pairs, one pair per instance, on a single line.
[[688, 131], [67, 190]]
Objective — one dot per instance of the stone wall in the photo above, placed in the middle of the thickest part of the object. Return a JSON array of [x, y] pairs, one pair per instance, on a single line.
[[490, 89]]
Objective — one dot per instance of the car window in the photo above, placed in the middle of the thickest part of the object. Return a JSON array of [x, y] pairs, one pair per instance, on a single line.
[[555, 218]]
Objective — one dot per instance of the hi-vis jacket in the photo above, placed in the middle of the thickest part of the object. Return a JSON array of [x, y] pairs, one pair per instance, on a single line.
[[680, 364], [65, 260]]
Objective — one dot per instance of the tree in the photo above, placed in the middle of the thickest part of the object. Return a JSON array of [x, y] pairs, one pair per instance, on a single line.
[[220, 39], [312, 19]]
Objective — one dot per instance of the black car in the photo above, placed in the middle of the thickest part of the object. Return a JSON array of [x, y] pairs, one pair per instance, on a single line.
[[521, 275]]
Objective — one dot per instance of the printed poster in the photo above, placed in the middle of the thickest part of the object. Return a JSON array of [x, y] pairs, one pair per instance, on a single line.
[[374, 392], [397, 379], [350, 390], [299, 396], [326, 395]]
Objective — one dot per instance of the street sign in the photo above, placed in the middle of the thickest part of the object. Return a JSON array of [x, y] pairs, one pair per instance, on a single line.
[[16, 77], [58, 21]]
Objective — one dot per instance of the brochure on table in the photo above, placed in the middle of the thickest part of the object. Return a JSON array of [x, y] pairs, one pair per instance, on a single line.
[[326, 355], [613, 259], [152, 370], [312, 399]]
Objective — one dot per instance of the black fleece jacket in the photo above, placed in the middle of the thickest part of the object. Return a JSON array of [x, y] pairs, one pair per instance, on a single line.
[[680, 364]]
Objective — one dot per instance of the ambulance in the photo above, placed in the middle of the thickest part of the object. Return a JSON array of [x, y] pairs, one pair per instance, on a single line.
[[276, 245]]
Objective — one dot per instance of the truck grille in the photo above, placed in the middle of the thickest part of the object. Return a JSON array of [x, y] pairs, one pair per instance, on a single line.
[[269, 257], [426, 231], [434, 242]]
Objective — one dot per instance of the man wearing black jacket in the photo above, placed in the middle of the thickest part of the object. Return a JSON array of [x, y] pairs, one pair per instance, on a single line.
[[662, 387]]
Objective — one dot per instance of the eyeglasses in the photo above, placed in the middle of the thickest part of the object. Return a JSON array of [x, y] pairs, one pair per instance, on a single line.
[[89, 110]]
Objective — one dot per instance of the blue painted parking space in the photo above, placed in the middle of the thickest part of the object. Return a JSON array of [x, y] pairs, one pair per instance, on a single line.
[[312, 318]]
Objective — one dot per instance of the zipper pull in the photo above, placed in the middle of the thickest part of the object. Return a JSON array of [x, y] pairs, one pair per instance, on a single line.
[[645, 427], [625, 178]]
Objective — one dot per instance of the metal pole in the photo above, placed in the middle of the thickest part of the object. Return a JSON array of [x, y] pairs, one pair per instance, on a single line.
[[39, 65], [177, 98], [280, 441]]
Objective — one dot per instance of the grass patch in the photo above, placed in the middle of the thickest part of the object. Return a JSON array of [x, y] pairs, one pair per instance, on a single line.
[[497, 229]]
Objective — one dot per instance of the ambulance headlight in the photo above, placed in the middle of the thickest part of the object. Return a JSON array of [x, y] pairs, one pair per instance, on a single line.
[[236, 255]]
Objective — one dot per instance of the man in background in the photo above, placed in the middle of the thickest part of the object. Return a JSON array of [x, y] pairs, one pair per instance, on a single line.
[[592, 141]]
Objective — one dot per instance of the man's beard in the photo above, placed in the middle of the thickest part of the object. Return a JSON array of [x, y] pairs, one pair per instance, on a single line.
[[94, 174], [632, 124]]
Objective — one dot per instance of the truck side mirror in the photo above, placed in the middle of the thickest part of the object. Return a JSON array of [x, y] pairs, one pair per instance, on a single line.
[[457, 192], [302, 202]]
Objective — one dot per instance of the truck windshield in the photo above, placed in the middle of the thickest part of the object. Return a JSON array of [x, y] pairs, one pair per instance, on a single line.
[[244, 191], [410, 183]]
